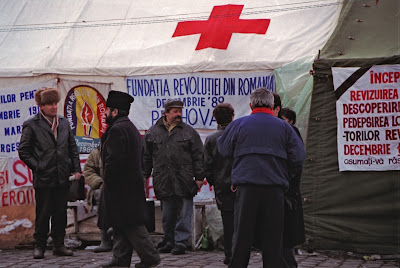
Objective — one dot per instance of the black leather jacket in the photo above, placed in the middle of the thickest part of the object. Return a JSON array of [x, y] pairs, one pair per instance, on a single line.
[[51, 161], [218, 170]]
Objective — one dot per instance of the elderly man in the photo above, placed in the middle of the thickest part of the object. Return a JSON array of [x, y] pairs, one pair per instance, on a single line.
[[265, 151], [173, 151], [122, 202], [48, 148]]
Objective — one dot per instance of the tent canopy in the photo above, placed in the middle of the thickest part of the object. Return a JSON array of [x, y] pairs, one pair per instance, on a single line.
[[125, 38]]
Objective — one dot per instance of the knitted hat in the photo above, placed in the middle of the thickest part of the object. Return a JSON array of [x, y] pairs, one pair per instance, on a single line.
[[119, 100], [47, 95]]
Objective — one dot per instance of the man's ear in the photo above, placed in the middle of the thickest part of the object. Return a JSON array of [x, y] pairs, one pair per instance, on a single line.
[[250, 106], [115, 112]]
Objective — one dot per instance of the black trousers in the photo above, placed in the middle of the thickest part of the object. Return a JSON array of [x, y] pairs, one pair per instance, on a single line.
[[263, 205], [51, 204], [129, 238], [227, 222]]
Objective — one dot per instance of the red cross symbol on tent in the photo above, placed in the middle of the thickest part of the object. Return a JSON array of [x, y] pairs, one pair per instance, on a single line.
[[216, 32]]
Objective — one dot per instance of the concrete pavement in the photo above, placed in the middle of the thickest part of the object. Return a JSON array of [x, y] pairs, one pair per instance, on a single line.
[[193, 259]]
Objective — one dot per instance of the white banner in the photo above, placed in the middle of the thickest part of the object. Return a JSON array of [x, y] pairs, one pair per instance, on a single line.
[[200, 92], [368, 115], [17, 105]]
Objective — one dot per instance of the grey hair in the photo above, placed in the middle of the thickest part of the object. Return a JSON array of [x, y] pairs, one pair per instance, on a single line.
[[261, 97]]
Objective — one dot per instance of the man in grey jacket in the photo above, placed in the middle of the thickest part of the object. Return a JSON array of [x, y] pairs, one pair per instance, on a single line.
[[173, 152], [48, 148]]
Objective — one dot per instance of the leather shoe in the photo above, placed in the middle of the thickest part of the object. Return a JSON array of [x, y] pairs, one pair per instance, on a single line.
[[38, 253], [116, 263], [62, 251], [178, 250], [146, 265], [227, 260], [166, 249]]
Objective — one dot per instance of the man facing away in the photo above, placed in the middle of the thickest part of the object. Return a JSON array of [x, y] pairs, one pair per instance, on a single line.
[[294, 233], [218, 170], [173, 152], [122, 201], [48, 148], [263, 148]]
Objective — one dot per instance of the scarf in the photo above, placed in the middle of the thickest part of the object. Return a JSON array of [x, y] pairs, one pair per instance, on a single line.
[[262, 110], [52, 124]]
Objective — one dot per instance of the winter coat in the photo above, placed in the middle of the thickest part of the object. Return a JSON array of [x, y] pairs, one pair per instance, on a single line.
[[217, 170], [92, 172], [122, 200], [266, 150], [52, 162], [294, 233], [175, 158]]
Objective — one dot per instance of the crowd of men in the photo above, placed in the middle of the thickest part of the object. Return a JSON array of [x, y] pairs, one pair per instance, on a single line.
[[253, 162]]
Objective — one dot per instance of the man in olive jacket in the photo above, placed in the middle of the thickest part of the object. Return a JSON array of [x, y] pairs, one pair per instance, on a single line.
[[173, 151], [123, 202], [93, 171], [48, 148]]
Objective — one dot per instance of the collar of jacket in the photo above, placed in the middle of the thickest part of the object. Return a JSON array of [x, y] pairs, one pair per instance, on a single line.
[[160, 122], [222, 127], [262, 110]]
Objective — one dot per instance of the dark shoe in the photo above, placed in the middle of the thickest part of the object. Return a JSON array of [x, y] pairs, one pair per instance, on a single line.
[[146, 265], [227, 260], [62, 251], [178, 250], [161, 244], [38, 253], [116, 263], [106, 242], [103, 247], [166, 249]]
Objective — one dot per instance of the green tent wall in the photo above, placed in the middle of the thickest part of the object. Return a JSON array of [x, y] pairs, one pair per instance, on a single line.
[[352, 211]]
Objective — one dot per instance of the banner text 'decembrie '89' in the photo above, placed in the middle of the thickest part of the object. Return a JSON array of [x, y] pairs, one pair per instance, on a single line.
[[368, 115], [200, 93]]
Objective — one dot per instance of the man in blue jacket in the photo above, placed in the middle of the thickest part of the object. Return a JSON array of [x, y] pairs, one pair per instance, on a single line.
[[266, 153]]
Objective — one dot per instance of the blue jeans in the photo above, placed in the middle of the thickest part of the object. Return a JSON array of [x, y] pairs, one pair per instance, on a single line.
[[177, 217]]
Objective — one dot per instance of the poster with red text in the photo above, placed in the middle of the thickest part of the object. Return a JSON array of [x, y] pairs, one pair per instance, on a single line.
[[368, 114]]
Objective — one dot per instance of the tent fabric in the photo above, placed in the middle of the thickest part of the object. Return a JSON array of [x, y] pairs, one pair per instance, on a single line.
[[126, 38], [352, 210], [294, 86]]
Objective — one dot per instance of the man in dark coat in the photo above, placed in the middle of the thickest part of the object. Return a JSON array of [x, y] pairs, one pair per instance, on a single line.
[[218, 171], [48, 148], [123, 201], [294, 233], [264, 148], [173, 151]]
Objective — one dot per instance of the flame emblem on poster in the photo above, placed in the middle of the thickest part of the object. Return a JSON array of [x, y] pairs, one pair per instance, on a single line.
[[85, 110], [87, 119]]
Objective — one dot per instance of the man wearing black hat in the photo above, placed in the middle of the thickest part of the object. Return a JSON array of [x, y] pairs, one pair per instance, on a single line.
[[123, 201], [173, 152]]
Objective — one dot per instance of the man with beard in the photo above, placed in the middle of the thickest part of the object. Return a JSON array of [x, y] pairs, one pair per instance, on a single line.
[[173, 151], [48, 148], [123, 201]]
